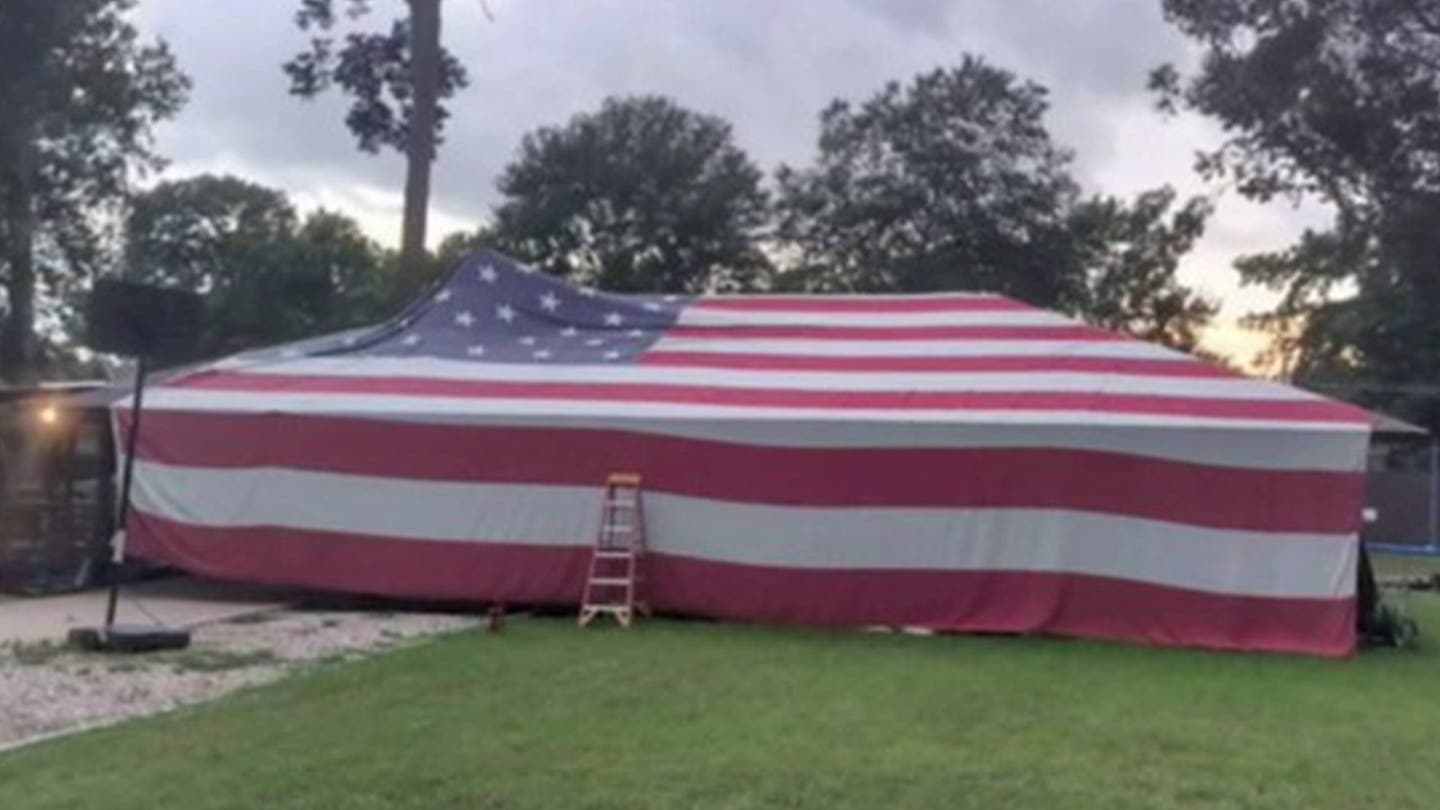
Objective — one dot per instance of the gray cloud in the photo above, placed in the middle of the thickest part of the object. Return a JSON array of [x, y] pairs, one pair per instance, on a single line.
[[768, 67]]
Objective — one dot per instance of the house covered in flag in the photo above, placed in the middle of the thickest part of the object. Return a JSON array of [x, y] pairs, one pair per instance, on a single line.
[[959, 462]]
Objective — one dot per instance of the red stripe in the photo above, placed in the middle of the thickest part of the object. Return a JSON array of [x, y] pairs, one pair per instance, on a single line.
[[972, 601], [1310, 410], [746, 332], [1113, 483], [365, 564], [840, 303], [1180, 367]]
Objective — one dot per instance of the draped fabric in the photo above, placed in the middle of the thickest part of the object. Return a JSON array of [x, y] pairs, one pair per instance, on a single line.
[[951, 461]]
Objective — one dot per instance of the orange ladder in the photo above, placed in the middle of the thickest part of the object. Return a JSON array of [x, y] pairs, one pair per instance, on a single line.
[[614, 582]]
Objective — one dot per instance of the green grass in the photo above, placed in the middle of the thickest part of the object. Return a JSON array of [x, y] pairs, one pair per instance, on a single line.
[[1405, 565], [677, 715]]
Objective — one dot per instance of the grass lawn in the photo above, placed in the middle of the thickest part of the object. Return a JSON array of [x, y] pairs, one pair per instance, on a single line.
[[1405, 565], [690, 715]]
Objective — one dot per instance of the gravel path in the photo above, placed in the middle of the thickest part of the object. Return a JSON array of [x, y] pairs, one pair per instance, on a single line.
[[47, 689]]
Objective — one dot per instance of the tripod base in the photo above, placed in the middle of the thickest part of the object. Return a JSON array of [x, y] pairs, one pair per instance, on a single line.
[[128, 638]]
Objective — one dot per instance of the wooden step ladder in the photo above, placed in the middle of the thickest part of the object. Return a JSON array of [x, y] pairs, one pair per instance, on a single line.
[[615, 576]]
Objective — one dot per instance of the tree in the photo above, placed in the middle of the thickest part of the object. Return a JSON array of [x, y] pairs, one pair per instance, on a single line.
[[201, 233], [953, 182], [642, 195], [1337, 101], [396, 80], [79, 95], [1130, 254], [456, 246], [267, 276]]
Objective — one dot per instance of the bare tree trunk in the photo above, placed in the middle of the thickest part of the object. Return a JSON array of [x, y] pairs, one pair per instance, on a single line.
[[17, 332], [420, 151]]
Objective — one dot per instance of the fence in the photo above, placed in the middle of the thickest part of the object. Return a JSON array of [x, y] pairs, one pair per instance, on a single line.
[[50, 544], [1403, 501]]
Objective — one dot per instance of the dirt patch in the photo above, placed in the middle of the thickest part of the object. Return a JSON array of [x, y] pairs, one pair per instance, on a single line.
[[46, 688]]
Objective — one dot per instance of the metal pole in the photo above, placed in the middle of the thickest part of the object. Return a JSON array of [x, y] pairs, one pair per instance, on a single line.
[[117, 543], [1433, 493]]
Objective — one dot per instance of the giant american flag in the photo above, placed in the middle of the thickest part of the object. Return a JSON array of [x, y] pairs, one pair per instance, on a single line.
[[956, 461]]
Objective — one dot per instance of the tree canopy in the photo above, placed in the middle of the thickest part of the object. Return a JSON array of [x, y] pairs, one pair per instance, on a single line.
[[949, 181], [397, 81], [1338, 101], [373, 68], [641, 196], [268, 276], [952, 181], [79, 94], [1130, 253]]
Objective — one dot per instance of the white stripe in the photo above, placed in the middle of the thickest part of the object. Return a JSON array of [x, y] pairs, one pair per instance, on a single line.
[[1271, 564], [844, 296], [1322, 449], [835, 381], [739, 344], [486, 408], [694, 316]]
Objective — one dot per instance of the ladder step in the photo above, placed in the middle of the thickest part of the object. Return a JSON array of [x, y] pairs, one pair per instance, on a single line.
[[628, 503], [609, 581], [614, 555]]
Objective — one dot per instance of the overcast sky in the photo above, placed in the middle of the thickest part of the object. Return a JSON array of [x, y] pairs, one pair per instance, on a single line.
[[766, 66]]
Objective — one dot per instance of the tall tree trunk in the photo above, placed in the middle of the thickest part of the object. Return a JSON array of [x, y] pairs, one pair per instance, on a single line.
[[17, 332], [420, 151]]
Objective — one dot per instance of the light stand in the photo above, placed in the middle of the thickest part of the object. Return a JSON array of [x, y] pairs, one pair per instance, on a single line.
[[144, 322]]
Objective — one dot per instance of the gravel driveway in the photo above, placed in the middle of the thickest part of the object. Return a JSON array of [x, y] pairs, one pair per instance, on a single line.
[[47, 689]]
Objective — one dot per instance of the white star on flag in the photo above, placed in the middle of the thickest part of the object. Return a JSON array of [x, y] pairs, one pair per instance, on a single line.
[[442, 296], [524, 268], [636, 333], [612, 355], [476, 350], [465, 319], [549, 302], [350, 340], [290, 353], [411, 340], [614, 319], [542, 354], [528, 340], [505, 312], [588, 292], [652, 306], [594, 342], [672, 298], [488, 274], [569, 331]]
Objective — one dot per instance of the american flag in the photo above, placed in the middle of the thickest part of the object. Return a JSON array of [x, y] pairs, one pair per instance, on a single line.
[[497, 328], [497, 310], [957, 461]]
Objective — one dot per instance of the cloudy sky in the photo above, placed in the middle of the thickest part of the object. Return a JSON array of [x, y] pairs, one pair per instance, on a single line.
[[766, 66]]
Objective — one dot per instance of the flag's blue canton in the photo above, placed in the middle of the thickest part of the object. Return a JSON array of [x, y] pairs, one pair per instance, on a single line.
[[494, 309]]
